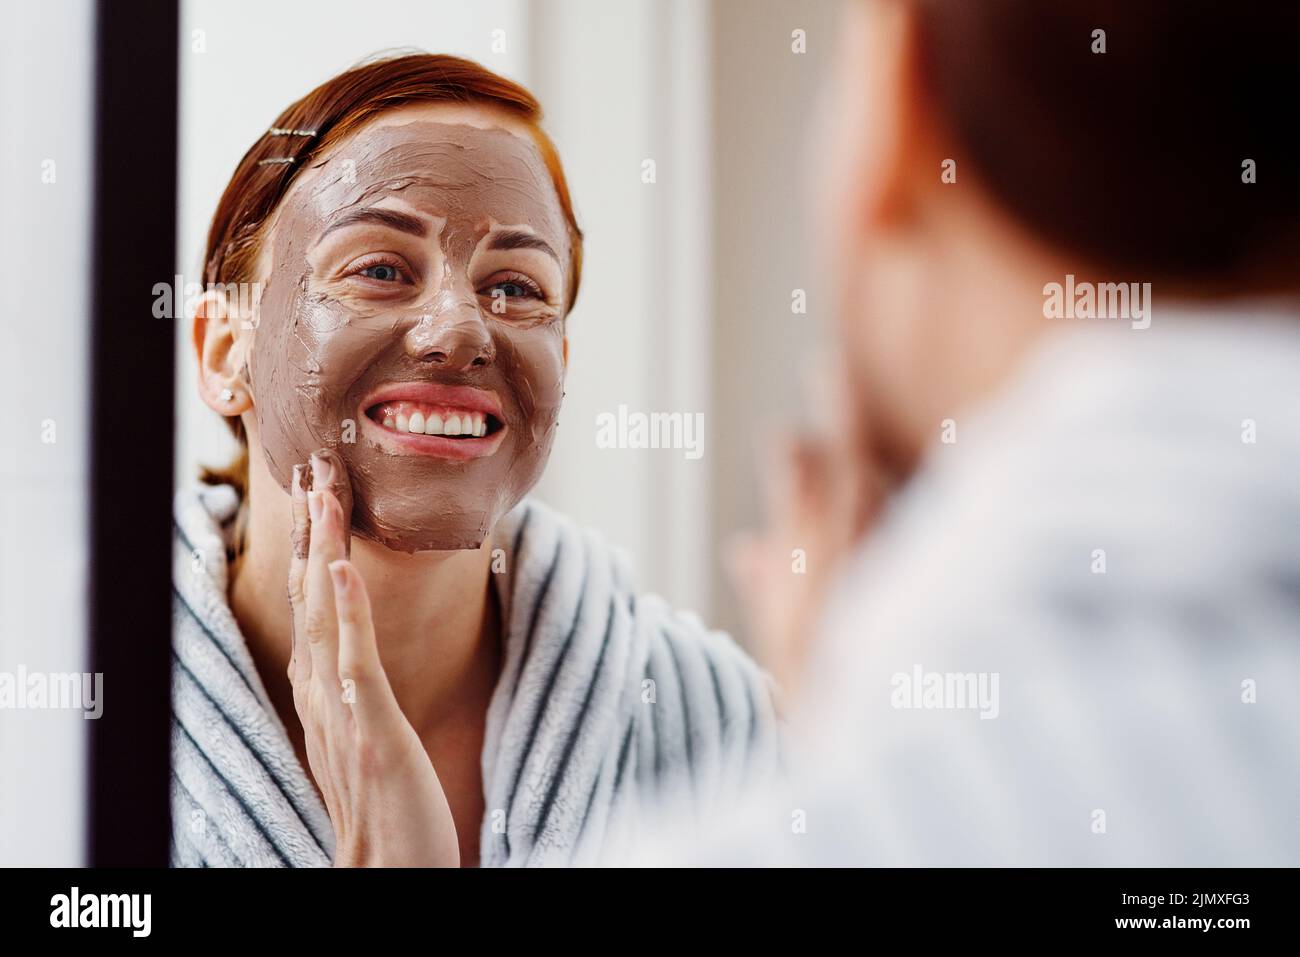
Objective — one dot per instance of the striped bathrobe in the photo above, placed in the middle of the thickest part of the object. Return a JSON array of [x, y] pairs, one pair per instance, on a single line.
[[606, 701]]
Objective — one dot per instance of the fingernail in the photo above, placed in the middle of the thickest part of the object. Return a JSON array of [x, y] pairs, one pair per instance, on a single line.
[[322, 470], [313, 505], [339, 575]]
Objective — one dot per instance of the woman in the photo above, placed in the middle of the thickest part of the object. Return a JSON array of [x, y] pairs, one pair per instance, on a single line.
[[1068, 634], [468, 677]]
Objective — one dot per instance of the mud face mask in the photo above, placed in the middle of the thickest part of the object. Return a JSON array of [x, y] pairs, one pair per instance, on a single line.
[[413, 321]]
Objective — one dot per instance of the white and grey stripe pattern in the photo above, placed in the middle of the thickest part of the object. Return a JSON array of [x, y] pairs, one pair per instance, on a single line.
[[605, 700]]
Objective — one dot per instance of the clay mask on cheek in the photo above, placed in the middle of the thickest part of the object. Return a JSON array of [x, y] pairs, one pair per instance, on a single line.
[[327, 341]]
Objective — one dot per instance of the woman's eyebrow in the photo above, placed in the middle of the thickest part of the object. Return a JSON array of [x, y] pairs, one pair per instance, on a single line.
[[518, 239], [384, 217]]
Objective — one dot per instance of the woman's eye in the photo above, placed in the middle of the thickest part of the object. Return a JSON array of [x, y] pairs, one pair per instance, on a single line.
[[514, 289], [382, 272]]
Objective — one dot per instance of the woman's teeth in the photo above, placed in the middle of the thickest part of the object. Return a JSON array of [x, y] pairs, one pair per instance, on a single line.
[[446, 422]]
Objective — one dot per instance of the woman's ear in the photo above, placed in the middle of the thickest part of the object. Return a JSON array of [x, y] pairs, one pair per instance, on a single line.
[[873, 119], [219, 346]]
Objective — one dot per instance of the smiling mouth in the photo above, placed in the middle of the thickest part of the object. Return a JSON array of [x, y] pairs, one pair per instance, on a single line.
[[420, 418]]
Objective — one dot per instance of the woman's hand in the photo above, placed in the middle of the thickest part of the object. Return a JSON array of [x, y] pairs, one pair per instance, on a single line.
[[382, 793], [820, 491]]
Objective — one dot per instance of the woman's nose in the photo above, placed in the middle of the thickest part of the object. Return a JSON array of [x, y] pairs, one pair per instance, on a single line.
[[454, 338]]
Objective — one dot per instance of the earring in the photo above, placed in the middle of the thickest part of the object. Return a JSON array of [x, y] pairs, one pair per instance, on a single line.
[[227, 395]]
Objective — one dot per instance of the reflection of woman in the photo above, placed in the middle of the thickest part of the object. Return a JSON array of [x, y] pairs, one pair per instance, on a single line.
[[478, 683]]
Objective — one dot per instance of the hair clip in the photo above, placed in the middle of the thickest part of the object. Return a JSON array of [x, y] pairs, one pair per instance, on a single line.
[[283, 131]]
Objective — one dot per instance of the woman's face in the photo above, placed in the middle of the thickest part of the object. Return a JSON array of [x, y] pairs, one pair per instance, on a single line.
[[412, 319]]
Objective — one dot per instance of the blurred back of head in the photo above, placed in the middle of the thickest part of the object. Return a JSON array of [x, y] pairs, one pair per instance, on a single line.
[[1128, 131], [976, 150]]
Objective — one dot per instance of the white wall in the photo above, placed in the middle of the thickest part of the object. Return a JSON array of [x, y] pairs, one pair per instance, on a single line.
[[46, 114], [623, 83]]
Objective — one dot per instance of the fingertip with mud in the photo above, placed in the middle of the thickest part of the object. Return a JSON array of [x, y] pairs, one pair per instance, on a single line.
[[298, 508], [330, 474]]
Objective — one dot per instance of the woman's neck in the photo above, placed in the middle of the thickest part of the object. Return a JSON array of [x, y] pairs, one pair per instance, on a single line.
[[436, 622]]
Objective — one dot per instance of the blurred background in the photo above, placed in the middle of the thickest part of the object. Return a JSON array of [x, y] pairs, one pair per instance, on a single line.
[[685, 304]]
